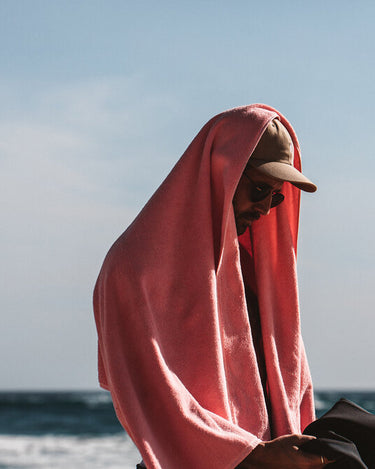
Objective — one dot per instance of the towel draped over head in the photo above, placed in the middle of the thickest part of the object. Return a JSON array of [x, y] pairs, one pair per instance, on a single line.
[[175, 345]]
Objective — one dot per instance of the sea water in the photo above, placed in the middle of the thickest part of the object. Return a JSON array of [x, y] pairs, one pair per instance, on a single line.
[[62, 430], [79, 430]]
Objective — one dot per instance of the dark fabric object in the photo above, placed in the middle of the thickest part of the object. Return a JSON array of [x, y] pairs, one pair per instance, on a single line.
[[141, 465], [345, 433], [336, 448]]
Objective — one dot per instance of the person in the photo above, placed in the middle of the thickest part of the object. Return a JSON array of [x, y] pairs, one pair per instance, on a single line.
[[196, 305]]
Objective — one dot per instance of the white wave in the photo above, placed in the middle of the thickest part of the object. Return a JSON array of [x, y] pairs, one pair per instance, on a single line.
[[67, 452], [320, 404], [93, 399]]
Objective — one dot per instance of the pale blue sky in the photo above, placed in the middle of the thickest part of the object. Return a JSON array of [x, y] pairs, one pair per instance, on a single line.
[[98, 101]]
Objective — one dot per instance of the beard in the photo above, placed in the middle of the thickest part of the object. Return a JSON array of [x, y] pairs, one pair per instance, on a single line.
[[245, 220]]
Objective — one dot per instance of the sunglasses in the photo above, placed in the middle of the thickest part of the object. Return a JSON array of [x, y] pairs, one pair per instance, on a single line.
[[259, 192]]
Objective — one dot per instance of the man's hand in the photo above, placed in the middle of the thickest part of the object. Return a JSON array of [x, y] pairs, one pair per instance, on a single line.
[[283, 453]]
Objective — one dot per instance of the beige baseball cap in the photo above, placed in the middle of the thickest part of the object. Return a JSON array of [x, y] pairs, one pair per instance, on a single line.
[[274, 156]]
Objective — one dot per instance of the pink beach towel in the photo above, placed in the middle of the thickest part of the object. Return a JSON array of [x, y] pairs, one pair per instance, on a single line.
[[175, 346]]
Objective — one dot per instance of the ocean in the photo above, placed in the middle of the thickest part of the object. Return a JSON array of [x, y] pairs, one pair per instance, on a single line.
[[79, 430]]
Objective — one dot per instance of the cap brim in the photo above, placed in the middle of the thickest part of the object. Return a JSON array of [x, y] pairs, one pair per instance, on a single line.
[[283, 172]]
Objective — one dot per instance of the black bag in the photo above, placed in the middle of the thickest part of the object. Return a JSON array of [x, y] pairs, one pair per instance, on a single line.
[[346, 434]]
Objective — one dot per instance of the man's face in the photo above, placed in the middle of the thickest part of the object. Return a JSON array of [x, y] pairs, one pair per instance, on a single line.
[[253, 197]]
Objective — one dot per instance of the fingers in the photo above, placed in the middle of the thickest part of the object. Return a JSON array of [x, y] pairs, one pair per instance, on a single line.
[[306, 460], [326, 461], [314, 461], [309, 460], [287, 452], [297, 440]]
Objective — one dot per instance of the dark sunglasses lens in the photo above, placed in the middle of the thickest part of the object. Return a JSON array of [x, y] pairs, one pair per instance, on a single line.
[[277, 198]]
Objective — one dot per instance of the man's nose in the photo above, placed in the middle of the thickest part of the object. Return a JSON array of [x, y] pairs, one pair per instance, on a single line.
[[264, 206]]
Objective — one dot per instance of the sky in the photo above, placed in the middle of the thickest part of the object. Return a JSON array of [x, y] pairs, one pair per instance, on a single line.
[[99, 99]]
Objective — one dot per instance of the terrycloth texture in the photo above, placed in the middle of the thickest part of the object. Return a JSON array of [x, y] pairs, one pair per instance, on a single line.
[[175, 346]]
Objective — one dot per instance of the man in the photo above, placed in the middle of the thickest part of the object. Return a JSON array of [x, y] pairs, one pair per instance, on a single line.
[[196, 305]]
